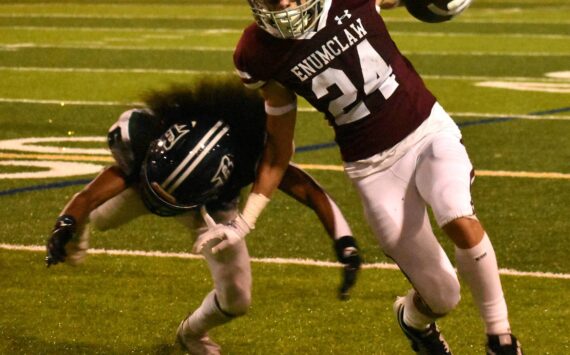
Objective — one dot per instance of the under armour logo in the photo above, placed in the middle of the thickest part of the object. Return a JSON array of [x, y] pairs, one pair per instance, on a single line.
[[346, 15]]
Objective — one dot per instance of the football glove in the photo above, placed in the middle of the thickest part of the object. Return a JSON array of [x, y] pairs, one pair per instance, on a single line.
[[221, 235], [347, 253], [62, 233], [454, 8]]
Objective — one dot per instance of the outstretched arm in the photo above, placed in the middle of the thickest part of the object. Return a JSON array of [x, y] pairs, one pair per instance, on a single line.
[[71, 222], [303, 188]]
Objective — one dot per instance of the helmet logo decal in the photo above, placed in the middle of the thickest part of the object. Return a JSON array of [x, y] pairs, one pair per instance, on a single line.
[[195, 156], [224, 171], [174, 134]]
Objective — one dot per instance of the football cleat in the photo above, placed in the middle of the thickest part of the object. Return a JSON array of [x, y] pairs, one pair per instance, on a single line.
[[427, 342], [196, 344], [503, 344]]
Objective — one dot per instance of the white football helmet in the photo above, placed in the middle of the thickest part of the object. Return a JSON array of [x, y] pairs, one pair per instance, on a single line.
[[293, 21]]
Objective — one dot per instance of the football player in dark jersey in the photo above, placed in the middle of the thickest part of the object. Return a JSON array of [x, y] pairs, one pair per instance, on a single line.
[[400, 148], [190, 148]]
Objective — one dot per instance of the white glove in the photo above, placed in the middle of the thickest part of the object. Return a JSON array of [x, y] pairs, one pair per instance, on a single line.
[[222, 235], [454, 8]]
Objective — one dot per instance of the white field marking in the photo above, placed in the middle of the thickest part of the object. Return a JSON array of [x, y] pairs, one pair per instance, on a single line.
[[53, 169], [105, 159], [249, 18], [31, 145], [69, 102], [508, 115], [483, 114], [555, 79], [193, 31], [565, 75], [527, 86], [281, 261], [217, 31], [102, 45], [301, 109], [120, 70], [499, 173]]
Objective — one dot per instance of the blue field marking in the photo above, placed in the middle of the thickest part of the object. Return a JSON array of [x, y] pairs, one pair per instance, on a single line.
[[313, 147], [54, 185], [485, 121], [302, 149], [548, 112]]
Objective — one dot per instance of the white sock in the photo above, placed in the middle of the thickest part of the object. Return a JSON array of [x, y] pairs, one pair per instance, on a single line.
[[206, 317], [478, 267], [341, 227], [412, 316]]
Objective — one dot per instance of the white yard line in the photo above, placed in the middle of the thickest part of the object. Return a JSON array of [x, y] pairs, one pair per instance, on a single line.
[[107, 46], [226, 72], [282, 261], [325, 167]]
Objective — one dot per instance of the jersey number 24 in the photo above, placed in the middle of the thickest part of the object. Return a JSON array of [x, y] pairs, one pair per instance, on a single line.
[[377, 75]]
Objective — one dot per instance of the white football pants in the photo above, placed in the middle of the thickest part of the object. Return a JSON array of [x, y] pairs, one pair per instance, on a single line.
[[435, 172], [230, 269]]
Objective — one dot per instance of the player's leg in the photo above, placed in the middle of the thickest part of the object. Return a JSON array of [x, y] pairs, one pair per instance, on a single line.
[[444, 177], [111, 214], [119, 210], [231, 297], [399, 219]]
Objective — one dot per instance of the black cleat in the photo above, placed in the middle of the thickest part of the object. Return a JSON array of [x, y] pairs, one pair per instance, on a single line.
[[427, 342], [503, 344]]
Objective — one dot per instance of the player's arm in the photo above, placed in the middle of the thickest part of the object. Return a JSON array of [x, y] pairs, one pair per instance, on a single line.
[[109, 183], [281, 110], [303, 188], [74, 216]]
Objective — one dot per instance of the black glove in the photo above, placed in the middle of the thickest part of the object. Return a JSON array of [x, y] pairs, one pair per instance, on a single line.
[[347, 253], [61, 234]]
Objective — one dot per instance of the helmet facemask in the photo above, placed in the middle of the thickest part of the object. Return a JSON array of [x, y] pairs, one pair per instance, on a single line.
[[292, 22]]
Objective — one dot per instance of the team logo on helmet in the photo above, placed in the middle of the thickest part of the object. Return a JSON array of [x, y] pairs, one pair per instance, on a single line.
[[224, 171], [174, 134]]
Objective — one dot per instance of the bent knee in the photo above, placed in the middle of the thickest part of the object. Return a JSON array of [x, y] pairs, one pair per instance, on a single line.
[[444, 296], [237, 303]]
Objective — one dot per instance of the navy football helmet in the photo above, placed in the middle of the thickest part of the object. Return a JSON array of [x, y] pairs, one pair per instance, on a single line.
[[187, 166]]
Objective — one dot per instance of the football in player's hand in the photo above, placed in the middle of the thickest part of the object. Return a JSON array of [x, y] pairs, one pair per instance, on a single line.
[[432, 11]]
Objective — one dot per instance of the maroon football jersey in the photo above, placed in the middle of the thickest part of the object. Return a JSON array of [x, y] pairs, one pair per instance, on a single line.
[[349, 69]]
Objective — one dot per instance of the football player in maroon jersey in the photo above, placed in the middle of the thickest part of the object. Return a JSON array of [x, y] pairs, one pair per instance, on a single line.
[[400, 148]]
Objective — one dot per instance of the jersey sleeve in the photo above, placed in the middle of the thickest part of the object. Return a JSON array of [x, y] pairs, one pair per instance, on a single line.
[[252, 64], [129, 139]]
